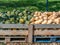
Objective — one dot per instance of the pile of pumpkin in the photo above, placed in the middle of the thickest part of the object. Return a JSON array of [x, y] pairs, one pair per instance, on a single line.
[[28, 17], [45, 18], [16, 17]]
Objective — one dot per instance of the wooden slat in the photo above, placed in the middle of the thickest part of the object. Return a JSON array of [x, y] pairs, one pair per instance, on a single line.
[[26, 26], [47, 32], [30, 33], [18, 37], [13, 26], [2, 41], [46, 25], [19, 41], [7, 39], [13, 32]]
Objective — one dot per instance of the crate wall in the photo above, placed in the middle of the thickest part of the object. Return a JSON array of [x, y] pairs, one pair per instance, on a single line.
[[30, 33]]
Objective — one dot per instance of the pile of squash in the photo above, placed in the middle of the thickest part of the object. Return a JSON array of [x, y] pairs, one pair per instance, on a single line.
[[28, 17], [16, 17], [45, 18]]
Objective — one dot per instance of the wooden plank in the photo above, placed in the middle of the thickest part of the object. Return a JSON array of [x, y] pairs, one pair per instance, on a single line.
[[26, 26], [18, 37], [7, 39], [2, 41], [30, 33], [46, 26], [13, 26], [14, 32], [18, 41], [47, 32]]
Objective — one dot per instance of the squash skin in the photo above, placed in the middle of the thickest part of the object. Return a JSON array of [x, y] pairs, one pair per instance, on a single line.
[[46, 17]]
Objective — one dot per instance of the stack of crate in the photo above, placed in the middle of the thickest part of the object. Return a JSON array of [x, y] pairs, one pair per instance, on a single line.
[[32, 33]]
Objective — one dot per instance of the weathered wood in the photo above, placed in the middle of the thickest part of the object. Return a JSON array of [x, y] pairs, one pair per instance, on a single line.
[[26, 26], [13, 26], [18, 41], [13, 32], [7, 39], [46, 26], [30, 33], [47, 32]]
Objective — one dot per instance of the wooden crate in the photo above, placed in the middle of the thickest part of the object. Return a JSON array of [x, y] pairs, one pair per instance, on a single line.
[[30, 30]]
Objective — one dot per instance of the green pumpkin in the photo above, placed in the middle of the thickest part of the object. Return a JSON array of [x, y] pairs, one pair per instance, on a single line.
[[7, 22], [27, 22], [8, 13], [25, 18], [16, 16], [12, 22], [29, 17]]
